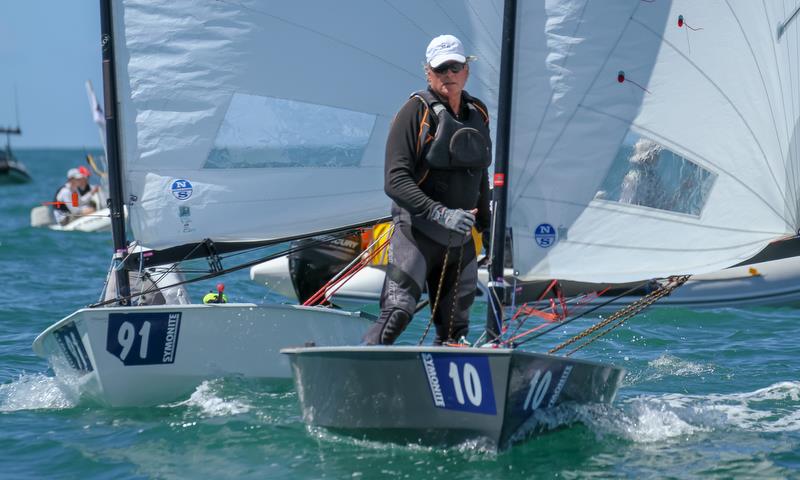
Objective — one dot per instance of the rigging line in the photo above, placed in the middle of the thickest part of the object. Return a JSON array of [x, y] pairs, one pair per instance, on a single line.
[[697, 155], [171, 268], [212, 274], [538, 129], [583, 314], [578, 104], [327, 237], [363, 259], [621, 316], [732, 105], [527, 309], [321, 34]]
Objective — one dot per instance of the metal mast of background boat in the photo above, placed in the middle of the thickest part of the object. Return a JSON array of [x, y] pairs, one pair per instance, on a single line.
[[500, 191], [113, 155]]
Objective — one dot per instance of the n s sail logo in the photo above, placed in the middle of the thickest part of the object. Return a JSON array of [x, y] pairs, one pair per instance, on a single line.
[[181, 189], [545, 235]]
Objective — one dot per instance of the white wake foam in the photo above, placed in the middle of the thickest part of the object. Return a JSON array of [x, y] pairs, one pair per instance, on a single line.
[[34, 392], [208, 399], [775, 408], [671, 365]]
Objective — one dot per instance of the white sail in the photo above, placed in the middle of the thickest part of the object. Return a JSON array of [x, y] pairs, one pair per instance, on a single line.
[[652, 138], [252, 120]]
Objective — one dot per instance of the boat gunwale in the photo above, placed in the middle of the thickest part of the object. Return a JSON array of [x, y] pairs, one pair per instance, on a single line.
[[387, 349], [38, 346]]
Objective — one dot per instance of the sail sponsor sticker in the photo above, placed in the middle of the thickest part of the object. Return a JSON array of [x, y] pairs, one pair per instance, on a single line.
[[545, 235], [181, 189], [70, 342], [460, 382], [143, 338]]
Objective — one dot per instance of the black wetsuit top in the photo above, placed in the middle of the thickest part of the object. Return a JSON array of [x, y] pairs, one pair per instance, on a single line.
[[406, 172]]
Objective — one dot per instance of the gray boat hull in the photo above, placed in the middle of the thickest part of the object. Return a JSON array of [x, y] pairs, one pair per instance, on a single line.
[[440, 395]]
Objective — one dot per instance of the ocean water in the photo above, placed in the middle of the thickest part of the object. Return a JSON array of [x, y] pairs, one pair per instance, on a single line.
[[713, 394]]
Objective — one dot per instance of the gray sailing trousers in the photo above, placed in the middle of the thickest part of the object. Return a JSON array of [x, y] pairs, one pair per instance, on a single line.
[[416, 260]]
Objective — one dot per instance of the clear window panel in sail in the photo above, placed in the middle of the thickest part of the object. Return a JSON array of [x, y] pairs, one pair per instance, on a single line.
[[267, 132], [648, 174]]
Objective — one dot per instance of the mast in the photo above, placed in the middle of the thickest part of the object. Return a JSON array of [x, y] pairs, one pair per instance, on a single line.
[[500, 191], [113, 154]]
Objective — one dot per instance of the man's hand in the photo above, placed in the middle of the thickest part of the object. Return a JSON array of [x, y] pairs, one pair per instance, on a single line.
[[455, 219]]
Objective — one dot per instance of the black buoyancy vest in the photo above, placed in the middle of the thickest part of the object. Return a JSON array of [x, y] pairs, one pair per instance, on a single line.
[[457, 144], [454, 179]]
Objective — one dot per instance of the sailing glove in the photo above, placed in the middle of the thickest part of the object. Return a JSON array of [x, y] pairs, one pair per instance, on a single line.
[[455, 219]]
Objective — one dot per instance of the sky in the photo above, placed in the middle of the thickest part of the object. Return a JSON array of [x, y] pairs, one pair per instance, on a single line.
[[48, 49]]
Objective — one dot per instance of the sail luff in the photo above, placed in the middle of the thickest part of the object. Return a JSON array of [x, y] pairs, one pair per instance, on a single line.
[[116, 201]]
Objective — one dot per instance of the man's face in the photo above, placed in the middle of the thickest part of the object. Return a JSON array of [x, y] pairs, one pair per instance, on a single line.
[[447, 83]]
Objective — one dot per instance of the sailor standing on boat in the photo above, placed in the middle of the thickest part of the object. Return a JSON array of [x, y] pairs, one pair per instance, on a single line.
[[77, 185], [437, 155]]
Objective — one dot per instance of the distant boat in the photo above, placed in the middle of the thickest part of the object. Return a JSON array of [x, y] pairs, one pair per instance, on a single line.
[[12, 171], [100, 220]]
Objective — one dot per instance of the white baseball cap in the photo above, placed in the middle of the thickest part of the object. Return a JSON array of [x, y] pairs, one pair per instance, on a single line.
[[446, 48], [74, 173]]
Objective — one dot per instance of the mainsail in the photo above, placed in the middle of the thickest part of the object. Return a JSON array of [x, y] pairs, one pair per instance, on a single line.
[[245, 120], [652, 138]]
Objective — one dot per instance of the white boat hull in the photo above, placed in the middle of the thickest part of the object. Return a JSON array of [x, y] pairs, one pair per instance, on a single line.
[[99, 221], [360, 291], [143, 356], [772, 283]]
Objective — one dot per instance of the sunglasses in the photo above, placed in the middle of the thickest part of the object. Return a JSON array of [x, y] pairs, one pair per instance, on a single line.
[[453, 67]]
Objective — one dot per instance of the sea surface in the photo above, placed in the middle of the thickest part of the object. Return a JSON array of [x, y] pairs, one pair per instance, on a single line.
[[712, 394]]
